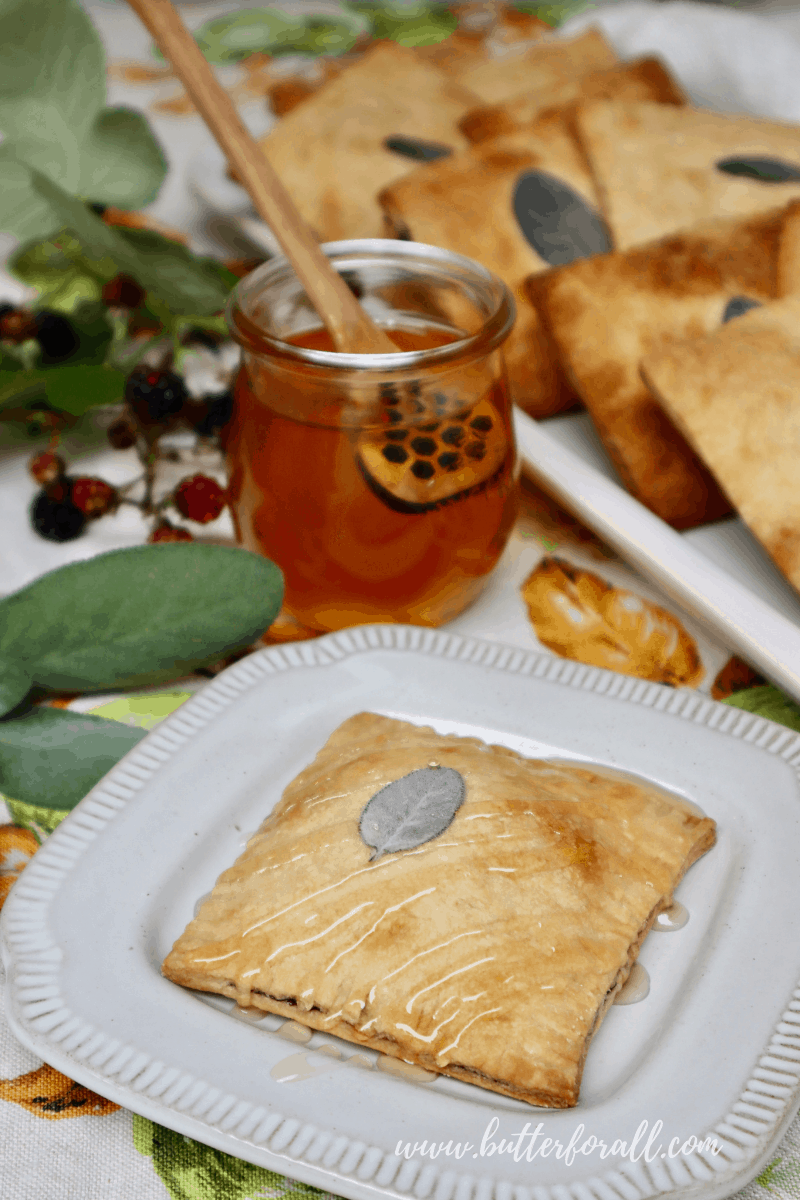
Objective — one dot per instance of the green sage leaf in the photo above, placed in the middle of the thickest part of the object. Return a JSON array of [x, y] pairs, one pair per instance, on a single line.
[[121, 161], [139, 616], [62, 283], [24, 212], [69, 389], [412, 810], [187, 285], [409, 22], [15, 683], [18, 389], [767, 701], [52, 758], [250, 31], [52, 68], [9, 365], [54, 123], [191, 286]]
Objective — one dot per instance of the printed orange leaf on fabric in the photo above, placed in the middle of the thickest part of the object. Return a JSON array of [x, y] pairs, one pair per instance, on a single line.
[[49, 1094], [17, 847], [578, 615]]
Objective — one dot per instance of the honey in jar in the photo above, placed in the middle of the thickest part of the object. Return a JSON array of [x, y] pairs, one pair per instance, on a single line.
[[383, 486]]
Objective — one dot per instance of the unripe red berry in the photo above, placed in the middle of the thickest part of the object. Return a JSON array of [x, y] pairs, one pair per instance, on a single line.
[[46, 467], [200, 499], [122, 292], [94, 497], [18, 326], [164, 532]]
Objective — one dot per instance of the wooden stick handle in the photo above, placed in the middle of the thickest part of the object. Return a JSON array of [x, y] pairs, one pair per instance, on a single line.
[[351, 329]]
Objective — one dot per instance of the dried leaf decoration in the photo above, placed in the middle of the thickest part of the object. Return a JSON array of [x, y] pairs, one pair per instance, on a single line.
[[47, 1093], [17, 847], [580, 616], [411, 810]]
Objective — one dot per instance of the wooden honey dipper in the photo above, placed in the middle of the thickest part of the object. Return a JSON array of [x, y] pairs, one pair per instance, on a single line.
[[350, 328]]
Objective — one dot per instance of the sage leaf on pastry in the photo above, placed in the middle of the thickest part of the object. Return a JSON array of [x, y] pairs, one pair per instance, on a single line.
[[557, 222], [411, 810], [417, 149], [737, 306], [765, 170]]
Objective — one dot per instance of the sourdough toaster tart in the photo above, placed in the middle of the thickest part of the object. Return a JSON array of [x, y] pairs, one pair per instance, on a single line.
[[447, 902]]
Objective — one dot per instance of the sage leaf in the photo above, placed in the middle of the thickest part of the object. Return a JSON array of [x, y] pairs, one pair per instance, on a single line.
[[15, 683], [63, 283], [68, 389], [24, 212], [53, 119], [737, 307], [198, 286], [52, 68], [165, 269], [765, 170], [252, 31], [138, 616], [417, 149], [556, 221], [410, 24], [52, 758], [412, 810], [121, 162]]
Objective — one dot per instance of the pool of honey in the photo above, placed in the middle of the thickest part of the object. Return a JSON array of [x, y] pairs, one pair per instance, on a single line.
[[352, 551]]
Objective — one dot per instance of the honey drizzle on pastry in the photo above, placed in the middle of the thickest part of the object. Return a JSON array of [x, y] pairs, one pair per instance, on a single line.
[[486, 952]]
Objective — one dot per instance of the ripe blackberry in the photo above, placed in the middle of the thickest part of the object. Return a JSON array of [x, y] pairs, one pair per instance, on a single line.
[[54, 516], [164, 532], [154, 396], [46, 467], [55, 335], [200, 499], [218, 412], [94, 497]]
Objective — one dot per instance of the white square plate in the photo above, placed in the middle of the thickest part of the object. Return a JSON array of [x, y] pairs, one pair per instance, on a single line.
[[714, 1049]]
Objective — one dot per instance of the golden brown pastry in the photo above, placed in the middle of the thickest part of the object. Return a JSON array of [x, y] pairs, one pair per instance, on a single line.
[[736, 397], [478, 928], [330, 149], [656, 166], [485, 31], [468, 203], [642, 80], [546, 63], [606, 313], [788, 282]]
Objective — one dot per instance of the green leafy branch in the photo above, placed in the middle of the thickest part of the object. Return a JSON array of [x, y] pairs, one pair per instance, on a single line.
[[65, 154], [130, 618]]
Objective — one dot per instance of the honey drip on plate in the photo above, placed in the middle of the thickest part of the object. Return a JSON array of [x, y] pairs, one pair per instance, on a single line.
[[672, 918], [635, 988]]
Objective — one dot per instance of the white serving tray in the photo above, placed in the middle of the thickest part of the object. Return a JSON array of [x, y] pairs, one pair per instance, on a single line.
[[719, 574], [713, 1050]]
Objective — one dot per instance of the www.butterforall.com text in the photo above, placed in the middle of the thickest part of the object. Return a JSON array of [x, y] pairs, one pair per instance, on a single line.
[[529, 1144]]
